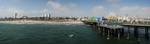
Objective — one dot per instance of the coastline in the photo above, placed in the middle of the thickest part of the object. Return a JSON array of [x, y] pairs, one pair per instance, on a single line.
[[39, 22]]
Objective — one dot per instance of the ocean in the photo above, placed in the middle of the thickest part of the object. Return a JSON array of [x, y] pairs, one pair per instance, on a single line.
[[55, 34]]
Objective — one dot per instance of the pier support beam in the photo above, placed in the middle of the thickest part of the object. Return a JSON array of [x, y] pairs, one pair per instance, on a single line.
[[108, 34], [122, 32], [118, 33], [99, 30], [128, 33], [136, 32], [103, 29], [115, 33], [111, 32], [146, 33]]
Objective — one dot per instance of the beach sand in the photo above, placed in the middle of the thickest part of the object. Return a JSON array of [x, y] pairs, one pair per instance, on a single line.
[[40, 22]]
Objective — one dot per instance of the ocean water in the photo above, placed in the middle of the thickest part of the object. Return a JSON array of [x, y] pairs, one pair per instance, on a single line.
[[54, 34]]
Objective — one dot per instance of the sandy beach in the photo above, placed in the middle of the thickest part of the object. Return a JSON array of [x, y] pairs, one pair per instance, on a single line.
[[39, 22]]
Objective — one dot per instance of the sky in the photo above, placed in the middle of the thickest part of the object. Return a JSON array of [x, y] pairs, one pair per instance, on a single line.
[[140, 8]]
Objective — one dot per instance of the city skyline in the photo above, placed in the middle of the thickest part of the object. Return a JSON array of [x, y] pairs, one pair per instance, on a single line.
[[75, 7]]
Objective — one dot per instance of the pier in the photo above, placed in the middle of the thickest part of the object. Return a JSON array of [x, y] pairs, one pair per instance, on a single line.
[[111, 30], [118, 31], [136, 29]]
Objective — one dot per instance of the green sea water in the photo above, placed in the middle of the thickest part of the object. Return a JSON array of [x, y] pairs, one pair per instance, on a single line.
[[54, 34]]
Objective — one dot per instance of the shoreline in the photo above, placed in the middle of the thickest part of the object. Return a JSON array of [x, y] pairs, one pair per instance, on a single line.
[[39, 22]]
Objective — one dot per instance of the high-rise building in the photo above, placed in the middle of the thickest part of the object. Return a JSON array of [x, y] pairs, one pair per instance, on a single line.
[[16, 14], [49, 15]]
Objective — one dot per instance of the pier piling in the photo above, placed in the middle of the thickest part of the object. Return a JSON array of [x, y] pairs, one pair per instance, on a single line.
[[146, 33], [108, 34], [128, 33], [103, 31], [118, 33], [136, 35]]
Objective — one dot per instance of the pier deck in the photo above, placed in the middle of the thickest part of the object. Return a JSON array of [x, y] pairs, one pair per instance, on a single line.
[[137, 25], [111, 26]]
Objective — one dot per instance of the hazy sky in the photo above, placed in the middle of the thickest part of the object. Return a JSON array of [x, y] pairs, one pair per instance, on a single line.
[[75, 7]]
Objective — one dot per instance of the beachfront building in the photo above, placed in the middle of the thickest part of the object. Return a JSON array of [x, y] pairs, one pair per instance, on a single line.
[[121, 19], [127, 19], [101, 20]]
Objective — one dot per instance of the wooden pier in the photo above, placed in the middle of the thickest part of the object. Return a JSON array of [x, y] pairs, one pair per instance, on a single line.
[[136, 29], [118, 31], [111, 30]]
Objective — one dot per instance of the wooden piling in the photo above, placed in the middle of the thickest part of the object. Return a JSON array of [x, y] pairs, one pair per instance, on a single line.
[[118, 33], [136, 35], [99, 30], [146, 33], [128, 33], [108, 34], [103, 31], [122, 32]]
